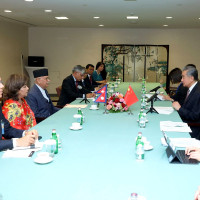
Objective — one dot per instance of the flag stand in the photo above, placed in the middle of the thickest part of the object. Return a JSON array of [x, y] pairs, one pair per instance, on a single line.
[[130, 112], [106, 111]]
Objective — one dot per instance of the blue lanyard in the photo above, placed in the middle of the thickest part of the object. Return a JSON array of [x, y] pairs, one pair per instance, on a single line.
[[2, 127]]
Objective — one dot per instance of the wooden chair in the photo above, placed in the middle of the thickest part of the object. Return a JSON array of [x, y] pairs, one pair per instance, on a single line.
[[58, 90]]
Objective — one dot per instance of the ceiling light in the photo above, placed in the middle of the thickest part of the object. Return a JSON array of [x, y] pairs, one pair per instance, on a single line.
[[101, 25], [96, 17], [169, 17], [61, 18], [47, 10], [165, 25], [28, 0], [132, 17], [8, 11]]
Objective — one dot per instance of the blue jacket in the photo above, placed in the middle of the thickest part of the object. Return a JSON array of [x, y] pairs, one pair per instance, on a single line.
[[39, 105], [9, 132]]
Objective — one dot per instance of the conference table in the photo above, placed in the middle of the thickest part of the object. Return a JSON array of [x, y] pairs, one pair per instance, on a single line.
[[98, 162]]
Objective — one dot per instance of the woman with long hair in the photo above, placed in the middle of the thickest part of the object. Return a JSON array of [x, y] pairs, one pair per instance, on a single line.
[[15, 108]]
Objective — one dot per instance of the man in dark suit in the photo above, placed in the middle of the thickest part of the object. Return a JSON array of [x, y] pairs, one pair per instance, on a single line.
[[190, 110], [89, 82], [38, 97], [72, 87], [13, 137]]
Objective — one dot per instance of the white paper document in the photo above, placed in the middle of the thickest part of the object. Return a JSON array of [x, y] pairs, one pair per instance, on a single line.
[[22, 152], [182, 142], [174, 126], [76, 106], [164, 110]]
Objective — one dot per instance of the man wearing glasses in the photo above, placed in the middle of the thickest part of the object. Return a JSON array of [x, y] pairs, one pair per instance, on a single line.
[[72, 87], [38, 97]]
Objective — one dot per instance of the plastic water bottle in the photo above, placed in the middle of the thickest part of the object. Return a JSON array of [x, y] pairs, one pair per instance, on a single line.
[[142, 119], [59, 142], [139, 147], [143, 103], [54, 136], [80, 113]]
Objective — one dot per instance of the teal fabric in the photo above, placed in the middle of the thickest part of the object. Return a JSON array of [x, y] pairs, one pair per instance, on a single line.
[[97, 77], [98, 162]]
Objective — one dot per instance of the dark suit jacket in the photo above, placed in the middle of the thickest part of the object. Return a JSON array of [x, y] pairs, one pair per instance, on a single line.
[[90, 86], [190, 110], [9, 132], [39, 105], [180, 95], [69, 92]]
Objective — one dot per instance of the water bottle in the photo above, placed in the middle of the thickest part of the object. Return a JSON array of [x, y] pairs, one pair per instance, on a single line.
[[142, 122], [139, 147], [143, 103], [80, 113], [139, 139], [54, 136], [59, 142], [142, 119]]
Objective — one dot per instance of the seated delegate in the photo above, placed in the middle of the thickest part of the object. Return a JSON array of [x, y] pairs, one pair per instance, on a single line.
[[72, 87], [175, 77], [13, 137], [97, 74], [15, 108], [38, 97]]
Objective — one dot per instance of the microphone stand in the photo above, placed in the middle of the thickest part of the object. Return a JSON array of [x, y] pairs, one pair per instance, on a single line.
[[152, 109], [85, 99]]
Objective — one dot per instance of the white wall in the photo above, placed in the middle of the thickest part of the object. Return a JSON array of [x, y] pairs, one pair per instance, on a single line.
[[64, 48], [13, 44]]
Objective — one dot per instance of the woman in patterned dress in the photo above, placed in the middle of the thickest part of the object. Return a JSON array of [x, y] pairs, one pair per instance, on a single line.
[[15, 108]]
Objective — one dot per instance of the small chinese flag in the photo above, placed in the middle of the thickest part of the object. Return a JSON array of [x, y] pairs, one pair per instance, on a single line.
[[130, 97]]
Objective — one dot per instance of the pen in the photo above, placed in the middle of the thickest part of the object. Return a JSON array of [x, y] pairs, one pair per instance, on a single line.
[[32, 152]]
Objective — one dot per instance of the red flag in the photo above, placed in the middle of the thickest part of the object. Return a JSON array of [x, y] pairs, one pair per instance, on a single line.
[[130, 97], [102, 98]]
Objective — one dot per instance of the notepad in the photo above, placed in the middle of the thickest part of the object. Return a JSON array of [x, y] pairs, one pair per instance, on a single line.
[[75, 106], [174, 126]]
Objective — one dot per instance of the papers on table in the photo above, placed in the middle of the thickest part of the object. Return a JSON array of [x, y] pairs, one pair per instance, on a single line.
[[76, 106], [174, 126], [22, 152], [17, 153], [164, 110], [182, 142]]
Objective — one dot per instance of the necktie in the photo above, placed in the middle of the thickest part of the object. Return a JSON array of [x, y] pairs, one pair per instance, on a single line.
[[76, 83], [91, 80], [188, 92]]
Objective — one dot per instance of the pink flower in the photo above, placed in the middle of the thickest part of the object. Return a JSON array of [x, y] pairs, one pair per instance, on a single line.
[[108, 107]]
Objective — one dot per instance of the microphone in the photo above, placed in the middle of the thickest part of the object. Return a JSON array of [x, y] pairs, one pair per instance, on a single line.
[[153, 96], [85, 90], [156, 88]]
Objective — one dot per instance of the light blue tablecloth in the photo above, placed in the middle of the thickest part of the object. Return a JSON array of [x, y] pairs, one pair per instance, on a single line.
[[98, 162]]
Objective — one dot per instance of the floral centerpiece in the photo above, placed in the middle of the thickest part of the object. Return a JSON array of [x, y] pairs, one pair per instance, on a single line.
[[116, 103]]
